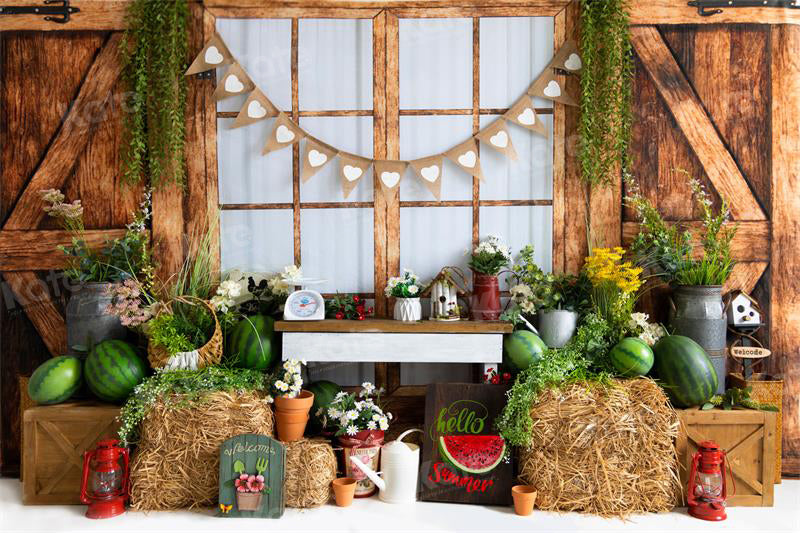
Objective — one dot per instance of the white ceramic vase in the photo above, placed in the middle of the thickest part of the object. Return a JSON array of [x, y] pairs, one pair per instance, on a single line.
[[408, 309]]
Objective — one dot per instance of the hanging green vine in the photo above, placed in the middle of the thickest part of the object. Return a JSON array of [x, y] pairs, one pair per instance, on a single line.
[[605, 122], [153, 60]]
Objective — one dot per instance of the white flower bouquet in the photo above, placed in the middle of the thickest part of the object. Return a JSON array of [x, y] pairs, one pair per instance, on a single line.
[[405, 286], [289, 381], [490, 256], [349, 414]]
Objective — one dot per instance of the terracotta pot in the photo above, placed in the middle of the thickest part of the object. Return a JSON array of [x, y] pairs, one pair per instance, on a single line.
[[291, 415], [344, 488], [366, 445], [524, 498], [485, 297], [248, 501]]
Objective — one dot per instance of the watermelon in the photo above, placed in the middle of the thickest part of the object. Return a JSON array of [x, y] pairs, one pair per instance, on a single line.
[[685, 371], [475, 454], [521, 349], [56, 380], [251, 343], [324, 394], [113, 369], [632, 357]]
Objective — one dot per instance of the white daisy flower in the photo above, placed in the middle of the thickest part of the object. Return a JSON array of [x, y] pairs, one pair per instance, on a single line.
[[334, 413], [352, 414], [376, 417], [384, 423], [352, 430], [281, 386], [413, 289], [372, 425]]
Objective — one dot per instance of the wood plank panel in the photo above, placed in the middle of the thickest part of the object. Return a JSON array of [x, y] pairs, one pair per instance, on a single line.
[[374, 325], [36, 250], [551, 7], [476, 126], [268, 12], [751, 242], [785, 269], [672, 12], [296, 146], [745, 276], [648, 114], [34, 296], [94, 15], [692, 119], [210, 135], [393, 141], [559, 162], [379, 125]]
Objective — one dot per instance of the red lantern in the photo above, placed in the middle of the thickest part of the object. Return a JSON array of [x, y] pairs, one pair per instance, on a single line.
[[707, 489], [105, 480]]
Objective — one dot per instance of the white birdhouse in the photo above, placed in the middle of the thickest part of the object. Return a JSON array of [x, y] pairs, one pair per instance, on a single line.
[[743, 311], [444, 292]]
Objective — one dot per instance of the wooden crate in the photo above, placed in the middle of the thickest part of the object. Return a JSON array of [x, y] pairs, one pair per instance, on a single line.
[[747, 436], [54, 438]]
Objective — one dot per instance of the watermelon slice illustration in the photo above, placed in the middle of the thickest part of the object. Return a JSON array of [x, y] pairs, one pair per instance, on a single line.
[[475, 454]]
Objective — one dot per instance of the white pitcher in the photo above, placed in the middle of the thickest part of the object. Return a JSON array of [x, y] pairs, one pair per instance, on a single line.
[[399, 467]]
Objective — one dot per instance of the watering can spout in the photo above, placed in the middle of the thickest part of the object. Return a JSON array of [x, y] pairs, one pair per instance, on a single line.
[[371, 474]]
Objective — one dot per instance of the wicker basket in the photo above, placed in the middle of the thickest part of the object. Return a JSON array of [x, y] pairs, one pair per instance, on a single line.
[[769, 390], [208, 354]]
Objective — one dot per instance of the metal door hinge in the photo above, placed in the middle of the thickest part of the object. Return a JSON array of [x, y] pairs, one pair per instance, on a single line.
[[57, 11], [706, 8]]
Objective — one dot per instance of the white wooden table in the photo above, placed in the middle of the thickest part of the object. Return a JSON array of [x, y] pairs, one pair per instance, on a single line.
[[392, 341]]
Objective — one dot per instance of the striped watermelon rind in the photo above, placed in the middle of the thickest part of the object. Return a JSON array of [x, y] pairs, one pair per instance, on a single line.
[[521, 349], [684, 370], [55, 380], [474, 454], [324, 393], [251, 343], [632, 357], [113, 369]]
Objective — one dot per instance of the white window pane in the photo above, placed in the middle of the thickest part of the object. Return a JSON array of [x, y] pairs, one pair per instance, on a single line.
[[246, 176], [337, 245], [343, 374], [434, 237], [435, 63], [519, 226], [514, 51], [256, 240], [351, 134], [427, 373], [334, 64], [263, 48], [421, 136], [530, 177]]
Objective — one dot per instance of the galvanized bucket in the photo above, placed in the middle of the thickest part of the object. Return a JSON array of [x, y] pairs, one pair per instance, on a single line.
[[698, 313], [557, 326], [86, 317]]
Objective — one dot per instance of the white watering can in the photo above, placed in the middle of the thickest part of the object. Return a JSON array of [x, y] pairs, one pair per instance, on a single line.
[[399, 466]]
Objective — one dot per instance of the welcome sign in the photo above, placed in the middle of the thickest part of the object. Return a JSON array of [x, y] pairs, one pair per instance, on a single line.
[[464, 458]]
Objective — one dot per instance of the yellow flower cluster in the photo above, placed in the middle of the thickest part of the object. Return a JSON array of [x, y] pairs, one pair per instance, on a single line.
[[606, 265]]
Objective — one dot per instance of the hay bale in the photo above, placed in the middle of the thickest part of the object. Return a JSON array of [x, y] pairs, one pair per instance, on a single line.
[[605, 450], [177, 462], [310, 469]]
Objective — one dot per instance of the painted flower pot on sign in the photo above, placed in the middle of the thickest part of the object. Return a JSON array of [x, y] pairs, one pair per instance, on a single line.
[[248, 501]]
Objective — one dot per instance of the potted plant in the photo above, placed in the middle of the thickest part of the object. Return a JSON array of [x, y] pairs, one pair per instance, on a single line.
[[359, 422], [94, 273], [697, 310], [488, 259], [292, 403], [250, 487], [407, 290], [557, 300], [347, 307]]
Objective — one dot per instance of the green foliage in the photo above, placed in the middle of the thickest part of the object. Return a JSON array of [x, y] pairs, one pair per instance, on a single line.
[[180, 389], [551, 291], [189, 326], [605, 121], [153, 53], [490, 257], [197, 277], [347, 307], [736, 397], [583, 359]]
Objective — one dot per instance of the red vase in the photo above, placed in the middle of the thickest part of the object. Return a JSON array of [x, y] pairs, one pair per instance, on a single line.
[[366, 446], [485, 297]]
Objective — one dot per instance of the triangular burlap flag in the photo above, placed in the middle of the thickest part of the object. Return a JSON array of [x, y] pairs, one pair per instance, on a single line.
[[567, 58], [465, 155], [548, 86], [284, 133], [351, 169], [524, 114], [389, 174], [214, 54], [496, 135], [257, 107], [233, 83], [429, 169], [316, 155]]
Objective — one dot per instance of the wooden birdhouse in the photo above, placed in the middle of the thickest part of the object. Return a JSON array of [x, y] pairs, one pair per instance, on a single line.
[[743, 310], [444, 292]]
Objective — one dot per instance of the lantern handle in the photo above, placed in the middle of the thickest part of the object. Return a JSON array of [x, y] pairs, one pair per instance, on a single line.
[[690, 497], [127, 476], [88, 455]]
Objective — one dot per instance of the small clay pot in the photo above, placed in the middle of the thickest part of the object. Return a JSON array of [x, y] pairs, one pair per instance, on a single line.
[[291, 415], [524, 498], [344, 488]]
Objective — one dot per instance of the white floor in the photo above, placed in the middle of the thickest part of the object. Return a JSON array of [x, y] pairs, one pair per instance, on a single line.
[[372, 515]]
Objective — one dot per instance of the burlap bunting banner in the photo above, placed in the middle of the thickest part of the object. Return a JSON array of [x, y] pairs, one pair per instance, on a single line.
[[233, 83], [214, 54], [316, 155], [429, 169], [284, 133], [496, 135], [351, 169], [389, 174], [548, 86], [567, 58], [465, 155], [523, 114], [256, 107]]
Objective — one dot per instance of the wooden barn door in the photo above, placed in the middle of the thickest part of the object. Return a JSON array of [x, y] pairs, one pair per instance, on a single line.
[[710, 100]]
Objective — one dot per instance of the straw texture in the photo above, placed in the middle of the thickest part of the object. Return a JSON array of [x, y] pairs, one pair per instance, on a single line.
[[310, 469]]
